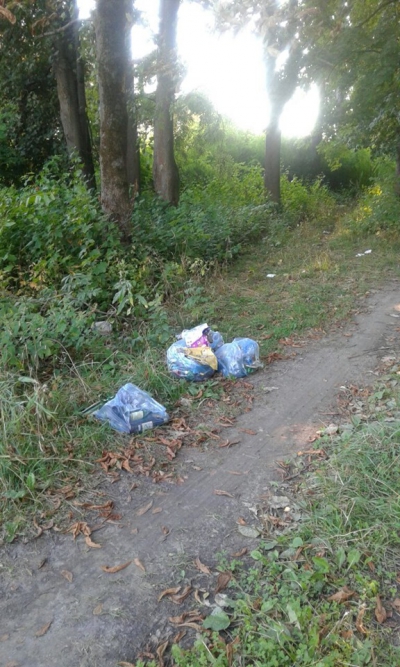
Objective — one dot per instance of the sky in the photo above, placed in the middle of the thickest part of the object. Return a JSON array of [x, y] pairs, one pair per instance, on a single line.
[[228, 69]]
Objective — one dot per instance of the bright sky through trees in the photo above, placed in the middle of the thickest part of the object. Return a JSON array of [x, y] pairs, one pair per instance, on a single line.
[[229, 70]]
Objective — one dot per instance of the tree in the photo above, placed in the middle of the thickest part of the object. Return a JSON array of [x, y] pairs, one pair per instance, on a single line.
[[279, 25], [355, 52], [165, 170], [111, 49], [69, 73]]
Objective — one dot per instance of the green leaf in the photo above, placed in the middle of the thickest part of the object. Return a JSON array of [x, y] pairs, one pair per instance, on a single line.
[[321, 564], [353, 557], [217, 621]]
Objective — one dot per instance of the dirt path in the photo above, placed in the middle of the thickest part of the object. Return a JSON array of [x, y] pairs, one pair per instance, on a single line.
[[98, 619]]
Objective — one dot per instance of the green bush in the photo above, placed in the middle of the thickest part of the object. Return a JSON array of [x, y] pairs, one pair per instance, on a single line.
[[301, 201], [378, 208]]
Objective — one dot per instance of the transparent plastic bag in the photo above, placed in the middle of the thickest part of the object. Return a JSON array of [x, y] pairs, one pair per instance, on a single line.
[[251, 353], [238, 358], [132, 410], [185, 367]]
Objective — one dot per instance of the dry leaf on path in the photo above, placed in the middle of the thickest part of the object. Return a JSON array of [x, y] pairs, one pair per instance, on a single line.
[[160, 652], [67, 575], [12, 664], [190, 624], [43, 630], [178, 599], [165, 530], [91, 544], [139, 564], [239, 554], [219, 492], [341, 595], [115, 568], [98, 609], [241, 521], [222, 581], [4, 638], [396, 604], [380, 611], [179, 636], [126, 664], [144, 509], [157, 510], [200, 566], [168, 591], [249, 431]]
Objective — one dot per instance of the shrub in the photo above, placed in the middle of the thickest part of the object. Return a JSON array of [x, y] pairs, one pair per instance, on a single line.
[[304, 202]]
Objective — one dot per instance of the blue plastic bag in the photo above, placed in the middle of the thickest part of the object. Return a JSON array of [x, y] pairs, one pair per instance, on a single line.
[[184, 367], [239, 358], [132, 410]]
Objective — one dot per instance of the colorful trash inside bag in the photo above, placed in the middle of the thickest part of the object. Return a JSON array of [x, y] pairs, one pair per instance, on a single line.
[[190, 367], [132, 410], [239, 358]]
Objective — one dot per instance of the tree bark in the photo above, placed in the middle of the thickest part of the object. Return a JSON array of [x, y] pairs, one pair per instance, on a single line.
[[132, 141], [110, 27], [272, 173], [165, 170], [68, 70]]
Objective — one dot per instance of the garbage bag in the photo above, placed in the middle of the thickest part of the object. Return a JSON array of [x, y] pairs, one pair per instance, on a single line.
[[186, 367], [251, 353], [196, 336], [132, 410], [238, 358]]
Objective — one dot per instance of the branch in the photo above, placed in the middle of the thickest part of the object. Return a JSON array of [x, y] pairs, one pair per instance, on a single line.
[[377, 10], [63, 27]]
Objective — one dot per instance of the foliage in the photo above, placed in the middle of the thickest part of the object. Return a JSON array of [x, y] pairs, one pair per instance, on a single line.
[[378, 207], [301, 201], [28, 98]]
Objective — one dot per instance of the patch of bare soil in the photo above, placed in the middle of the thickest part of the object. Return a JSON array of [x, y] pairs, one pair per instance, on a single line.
[[103, 597]]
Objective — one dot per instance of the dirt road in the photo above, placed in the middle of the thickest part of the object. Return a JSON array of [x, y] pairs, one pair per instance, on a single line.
[[58, 608]]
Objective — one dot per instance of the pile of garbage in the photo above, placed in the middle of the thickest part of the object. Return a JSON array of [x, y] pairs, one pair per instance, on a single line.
[[196, 355], [200, 352]]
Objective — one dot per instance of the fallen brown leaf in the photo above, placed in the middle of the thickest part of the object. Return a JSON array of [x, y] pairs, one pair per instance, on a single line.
[[178, 599], [144, 509], [157, 510], [380, 611], [126, 664], [43, 630], [219, 492], [396, 604], [165, 530], [168, 591], [359, 620], [341, 595], [178, 619], [230, 650], [115, 568], [346, 634], [12, 664], [68, 575], [4, 638], [180, 635], [239, 554], [98, 609], [160, 652], [139, 564], [91, 544], [190, 624], [241, 521], [249, 431], [200, 566], [222, 581]]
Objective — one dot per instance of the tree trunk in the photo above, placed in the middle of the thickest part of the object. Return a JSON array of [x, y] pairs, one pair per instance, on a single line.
[[110, 27], [69, 75], [132, 141], [272, 174], [165, 170]]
